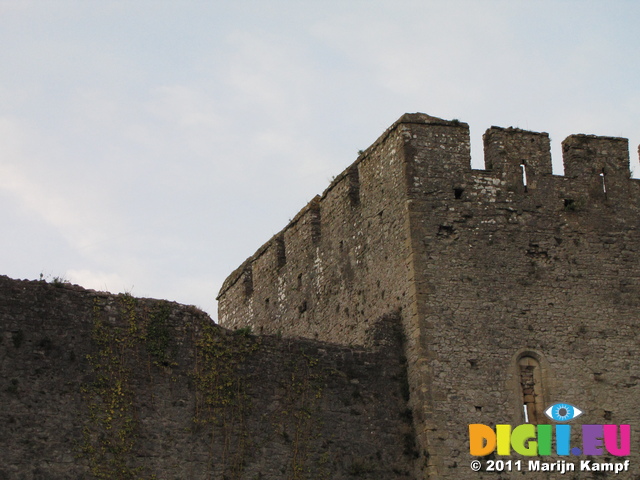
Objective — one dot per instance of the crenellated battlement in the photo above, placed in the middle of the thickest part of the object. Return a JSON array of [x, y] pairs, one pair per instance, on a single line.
[[436, 153]]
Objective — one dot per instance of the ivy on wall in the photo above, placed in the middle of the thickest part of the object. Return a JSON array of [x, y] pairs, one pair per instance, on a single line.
[[111, 432], [131, 337], [122, 333], [221, 400]]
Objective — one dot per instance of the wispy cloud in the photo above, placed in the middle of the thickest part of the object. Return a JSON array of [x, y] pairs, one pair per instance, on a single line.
[[154, 146]]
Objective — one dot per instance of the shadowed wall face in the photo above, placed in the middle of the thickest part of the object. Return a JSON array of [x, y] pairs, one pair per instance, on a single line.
[[94, 385]]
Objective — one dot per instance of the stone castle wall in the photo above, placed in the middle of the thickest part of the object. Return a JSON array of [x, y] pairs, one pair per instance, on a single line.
[[486, 268], [335, 267], [94, 385]]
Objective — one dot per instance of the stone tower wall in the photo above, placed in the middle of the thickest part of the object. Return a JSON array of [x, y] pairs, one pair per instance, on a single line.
[[486, 267], [547, 270]]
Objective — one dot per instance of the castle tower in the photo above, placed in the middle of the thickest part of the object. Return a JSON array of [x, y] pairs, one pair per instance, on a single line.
[[516, 288]]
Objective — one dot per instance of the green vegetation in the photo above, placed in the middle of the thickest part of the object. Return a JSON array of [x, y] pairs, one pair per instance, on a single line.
[[110, 436], [221, 400], [303, 393], [111, 432]]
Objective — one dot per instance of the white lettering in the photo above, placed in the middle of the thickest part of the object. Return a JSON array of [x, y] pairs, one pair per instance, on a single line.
[[560, 466], [590, 466]]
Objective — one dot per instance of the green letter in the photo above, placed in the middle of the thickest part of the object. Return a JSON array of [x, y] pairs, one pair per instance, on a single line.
[[522, 435]]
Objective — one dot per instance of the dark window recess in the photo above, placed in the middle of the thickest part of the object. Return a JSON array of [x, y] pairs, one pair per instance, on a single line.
[[303, 307], [354, 185], [314, 212], [281, 256], [247, 281], [457, 193], [445, 230], [570, 204]]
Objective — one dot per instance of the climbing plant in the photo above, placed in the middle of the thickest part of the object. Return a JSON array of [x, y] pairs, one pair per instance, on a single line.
[[221, 400], [120, 328], [110, 434], [299, 421]]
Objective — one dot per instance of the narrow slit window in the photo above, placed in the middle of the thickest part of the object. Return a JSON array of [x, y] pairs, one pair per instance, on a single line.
[[247, 281], [281, 255], [354, 185], [604, 183], [524, 175]]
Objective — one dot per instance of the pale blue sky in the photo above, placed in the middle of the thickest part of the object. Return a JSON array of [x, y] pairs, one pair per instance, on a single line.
[[151, 146]]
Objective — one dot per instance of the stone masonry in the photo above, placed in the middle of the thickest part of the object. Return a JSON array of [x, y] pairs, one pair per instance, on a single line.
[[101, 386], [516, 288]]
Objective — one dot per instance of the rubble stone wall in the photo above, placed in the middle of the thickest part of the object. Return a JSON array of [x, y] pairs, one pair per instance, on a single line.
[[94, 385]]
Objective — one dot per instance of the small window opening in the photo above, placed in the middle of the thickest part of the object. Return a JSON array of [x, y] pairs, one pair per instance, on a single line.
[[531, 389], [314, 212], [604, 183], [524, 175], [445, 230], [457, 192], [354, 185], [247, 281], [302, 307], [571, 205], [281, 255]]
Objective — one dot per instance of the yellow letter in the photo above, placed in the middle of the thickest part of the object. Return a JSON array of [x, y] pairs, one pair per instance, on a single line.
[[503, 432]]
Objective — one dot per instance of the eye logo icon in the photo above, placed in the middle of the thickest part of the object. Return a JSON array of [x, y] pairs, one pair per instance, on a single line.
[[563, 412]]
